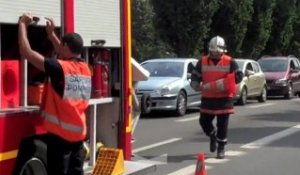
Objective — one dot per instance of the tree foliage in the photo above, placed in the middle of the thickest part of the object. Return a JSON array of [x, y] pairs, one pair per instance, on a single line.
[[183, 24], [145, 43], [250, 28], [294, 48], [231, 22], [259, 30], [285, 16]]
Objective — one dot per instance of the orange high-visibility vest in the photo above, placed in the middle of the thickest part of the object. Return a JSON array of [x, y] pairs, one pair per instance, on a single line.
[[217, 82], [65, 116]]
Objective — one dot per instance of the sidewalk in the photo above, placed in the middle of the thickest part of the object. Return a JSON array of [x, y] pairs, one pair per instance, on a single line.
[[131, 168]]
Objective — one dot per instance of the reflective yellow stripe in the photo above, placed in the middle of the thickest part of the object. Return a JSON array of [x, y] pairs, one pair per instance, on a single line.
[[129, 68], [8, 155]]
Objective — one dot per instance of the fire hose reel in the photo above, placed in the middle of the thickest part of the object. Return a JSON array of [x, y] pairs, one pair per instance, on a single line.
[[10, 83]]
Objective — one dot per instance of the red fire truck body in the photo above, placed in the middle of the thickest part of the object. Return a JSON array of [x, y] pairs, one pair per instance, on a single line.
[[105, 27]]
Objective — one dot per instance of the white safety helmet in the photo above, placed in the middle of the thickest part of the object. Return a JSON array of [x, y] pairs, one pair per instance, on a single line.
[[216, 47]]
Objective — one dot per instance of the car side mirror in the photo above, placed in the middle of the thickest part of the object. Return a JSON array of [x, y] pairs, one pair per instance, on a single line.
[[249, 73], [294, 70]]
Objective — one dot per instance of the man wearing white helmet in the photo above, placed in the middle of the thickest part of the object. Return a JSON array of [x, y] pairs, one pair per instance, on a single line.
[[216, 76]]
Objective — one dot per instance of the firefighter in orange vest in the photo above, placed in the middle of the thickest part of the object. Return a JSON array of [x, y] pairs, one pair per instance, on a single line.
[[65, 97], [216, 76]]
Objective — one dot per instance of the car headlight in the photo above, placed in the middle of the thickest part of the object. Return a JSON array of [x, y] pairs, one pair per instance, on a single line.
[[165, 90], [281, 82]]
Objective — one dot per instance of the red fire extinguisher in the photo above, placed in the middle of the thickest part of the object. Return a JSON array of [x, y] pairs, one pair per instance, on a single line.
[[100, 74]]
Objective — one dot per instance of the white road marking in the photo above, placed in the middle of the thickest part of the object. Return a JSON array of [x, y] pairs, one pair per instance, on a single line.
[[188, 119], [188, 170], [261, 105], [216, 161], [266, 140], [207, 167], [156, 145], [234, 153]]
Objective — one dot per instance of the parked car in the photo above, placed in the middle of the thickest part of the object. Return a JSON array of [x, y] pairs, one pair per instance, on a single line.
[[253, 84], [168, 87], [282, 75]]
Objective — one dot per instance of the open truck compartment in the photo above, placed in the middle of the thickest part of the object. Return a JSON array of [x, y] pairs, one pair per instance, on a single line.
[[105, 28]]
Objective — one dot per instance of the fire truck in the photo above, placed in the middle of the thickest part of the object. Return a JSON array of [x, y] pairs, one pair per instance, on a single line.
[[105, 28]]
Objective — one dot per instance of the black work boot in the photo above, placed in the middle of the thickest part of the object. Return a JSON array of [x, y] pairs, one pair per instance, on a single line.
[[221, 151], [213, 143]]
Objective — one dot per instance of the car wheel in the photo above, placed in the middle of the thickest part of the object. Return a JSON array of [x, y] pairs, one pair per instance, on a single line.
[[263, 96], [181, 104], [32, 158], [289, 94], [146, 103], [243, 97]]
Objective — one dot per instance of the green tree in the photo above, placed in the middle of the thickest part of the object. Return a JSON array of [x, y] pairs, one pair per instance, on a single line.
[[294, 47], [259, 30], [231, 22], [285, 18], [183, 24], [145, 43]]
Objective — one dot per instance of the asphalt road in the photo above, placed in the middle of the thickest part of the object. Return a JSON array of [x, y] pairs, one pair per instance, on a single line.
[[264, 139]]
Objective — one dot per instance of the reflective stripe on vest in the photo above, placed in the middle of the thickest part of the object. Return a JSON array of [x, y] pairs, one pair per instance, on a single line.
[[207, 87], [219, 68], [67, 126], [220, 85], [215, 86], [217, 111], [77, 87]]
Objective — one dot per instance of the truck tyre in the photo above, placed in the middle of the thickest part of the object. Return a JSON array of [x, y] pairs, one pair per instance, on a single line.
[[32, 158], [146, 103]]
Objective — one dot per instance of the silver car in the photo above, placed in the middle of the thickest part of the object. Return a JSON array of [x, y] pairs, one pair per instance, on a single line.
[[168, 87]]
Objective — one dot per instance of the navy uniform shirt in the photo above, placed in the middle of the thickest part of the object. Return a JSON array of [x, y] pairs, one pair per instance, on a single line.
[[54, 70]]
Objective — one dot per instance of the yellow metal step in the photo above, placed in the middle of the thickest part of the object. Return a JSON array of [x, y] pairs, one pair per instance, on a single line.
[[110, 161]]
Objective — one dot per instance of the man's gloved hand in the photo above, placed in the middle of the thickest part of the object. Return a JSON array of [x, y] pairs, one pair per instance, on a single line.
[[195, 82], [239, 75]]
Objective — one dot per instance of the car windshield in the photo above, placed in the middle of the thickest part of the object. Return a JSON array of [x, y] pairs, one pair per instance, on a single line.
[[273, 65], [164, 69]]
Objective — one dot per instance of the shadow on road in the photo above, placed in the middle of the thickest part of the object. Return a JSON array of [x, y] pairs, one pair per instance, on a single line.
[[167, 114]]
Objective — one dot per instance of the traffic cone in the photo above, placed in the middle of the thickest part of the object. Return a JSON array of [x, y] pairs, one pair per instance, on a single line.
[[200, 168]]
